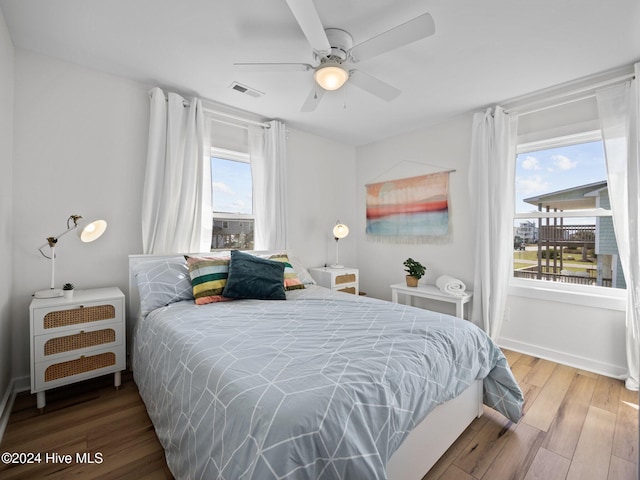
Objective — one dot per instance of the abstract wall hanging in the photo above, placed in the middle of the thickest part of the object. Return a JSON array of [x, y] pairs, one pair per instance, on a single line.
[[409, 210]]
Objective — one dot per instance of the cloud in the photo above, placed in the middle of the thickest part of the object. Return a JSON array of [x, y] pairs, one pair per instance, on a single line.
[[222, 187], [564, 163], [531, 185], [530, 163]]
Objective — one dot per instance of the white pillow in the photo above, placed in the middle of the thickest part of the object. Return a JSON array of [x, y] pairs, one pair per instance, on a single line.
[[303, 274], [162, 282]]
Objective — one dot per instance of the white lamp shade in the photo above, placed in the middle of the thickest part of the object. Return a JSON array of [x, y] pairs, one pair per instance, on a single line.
[[90, 231], [340, 230], [331, 76]]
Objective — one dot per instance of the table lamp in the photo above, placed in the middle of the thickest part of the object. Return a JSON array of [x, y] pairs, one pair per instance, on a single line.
[[339, 231], [87, 232]]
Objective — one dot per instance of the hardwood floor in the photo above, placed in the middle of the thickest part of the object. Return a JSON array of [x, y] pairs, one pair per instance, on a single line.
[[92, 417], [577, 425]]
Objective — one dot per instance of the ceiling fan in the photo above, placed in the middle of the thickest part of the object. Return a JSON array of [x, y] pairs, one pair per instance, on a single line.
[[333, 48]]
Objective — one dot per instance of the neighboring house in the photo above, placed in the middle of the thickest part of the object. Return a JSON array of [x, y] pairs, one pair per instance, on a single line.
[[232, 233], [564, 232], [527, 231]]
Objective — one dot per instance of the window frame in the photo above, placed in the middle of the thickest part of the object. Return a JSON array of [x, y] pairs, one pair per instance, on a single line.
[[585, 295]]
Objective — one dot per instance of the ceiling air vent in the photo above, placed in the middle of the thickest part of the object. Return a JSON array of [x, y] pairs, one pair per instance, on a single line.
[[252, 92]]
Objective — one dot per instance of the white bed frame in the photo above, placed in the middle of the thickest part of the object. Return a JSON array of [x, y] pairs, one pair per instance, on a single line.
[[423, 446]]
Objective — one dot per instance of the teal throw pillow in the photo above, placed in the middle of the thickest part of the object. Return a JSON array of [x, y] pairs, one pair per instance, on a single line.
[[254, 277]]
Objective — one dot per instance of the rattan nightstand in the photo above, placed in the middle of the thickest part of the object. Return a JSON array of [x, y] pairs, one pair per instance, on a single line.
[[337, 279], [76, 338]]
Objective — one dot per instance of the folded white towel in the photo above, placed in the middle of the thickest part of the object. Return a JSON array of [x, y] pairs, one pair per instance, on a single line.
[[451, 285]]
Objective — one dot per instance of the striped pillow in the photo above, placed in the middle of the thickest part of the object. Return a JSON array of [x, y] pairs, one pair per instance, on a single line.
[[291, 280], [208, 278]]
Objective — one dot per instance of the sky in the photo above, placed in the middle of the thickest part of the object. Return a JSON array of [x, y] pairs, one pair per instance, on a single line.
[[231, 188], [546, 171]]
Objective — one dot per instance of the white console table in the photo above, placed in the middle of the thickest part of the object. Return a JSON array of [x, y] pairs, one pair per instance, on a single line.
[[430, 292]]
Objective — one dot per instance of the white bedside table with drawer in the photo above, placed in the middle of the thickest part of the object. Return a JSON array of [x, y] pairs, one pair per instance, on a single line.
[[337, 279], [76, 338]]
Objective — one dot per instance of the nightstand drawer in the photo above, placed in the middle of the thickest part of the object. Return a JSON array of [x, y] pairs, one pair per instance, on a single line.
[[56, 319], [70, 369], [346, 278], [347, 290], [78, 341]]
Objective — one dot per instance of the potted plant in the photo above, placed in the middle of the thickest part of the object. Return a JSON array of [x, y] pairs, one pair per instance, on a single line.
[[415, 271], [67, 290]]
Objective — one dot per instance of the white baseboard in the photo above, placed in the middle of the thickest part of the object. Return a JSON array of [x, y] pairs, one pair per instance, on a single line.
[[16, 385], [588, 364]]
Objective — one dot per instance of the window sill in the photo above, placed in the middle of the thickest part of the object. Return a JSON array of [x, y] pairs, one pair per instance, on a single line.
[[598, 297]]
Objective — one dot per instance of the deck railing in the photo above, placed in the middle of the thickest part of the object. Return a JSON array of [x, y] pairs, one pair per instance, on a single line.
[[584, 235], [532, 273]]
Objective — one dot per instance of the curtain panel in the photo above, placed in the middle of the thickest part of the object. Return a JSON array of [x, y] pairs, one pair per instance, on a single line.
[[491, 185], [176, 205], [618, 108], [267, 149]]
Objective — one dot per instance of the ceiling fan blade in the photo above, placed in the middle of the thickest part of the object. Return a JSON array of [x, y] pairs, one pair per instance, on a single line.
[[272, 67], [404, 34], [313, 99], [373, 85], [307, 17]]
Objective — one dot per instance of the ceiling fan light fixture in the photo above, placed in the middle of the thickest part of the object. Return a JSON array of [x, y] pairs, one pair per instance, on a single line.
[[331, 76]]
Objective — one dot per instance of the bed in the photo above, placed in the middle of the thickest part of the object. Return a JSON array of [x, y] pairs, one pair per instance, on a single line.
[[319, 385]]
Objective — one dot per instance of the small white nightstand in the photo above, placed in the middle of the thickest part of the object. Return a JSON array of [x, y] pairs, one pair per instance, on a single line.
[[432, 293], [337, 279], [76, 338]]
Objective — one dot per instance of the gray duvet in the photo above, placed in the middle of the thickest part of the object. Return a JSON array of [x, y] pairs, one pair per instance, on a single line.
[[321, 386]]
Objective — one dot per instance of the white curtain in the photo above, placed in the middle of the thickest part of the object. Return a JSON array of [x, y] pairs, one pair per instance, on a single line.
[[491, 184], [267, 148], [618, 109], [176, 204]]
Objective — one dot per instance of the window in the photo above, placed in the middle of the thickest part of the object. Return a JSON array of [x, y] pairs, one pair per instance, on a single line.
[[563, 230], [232, 200]]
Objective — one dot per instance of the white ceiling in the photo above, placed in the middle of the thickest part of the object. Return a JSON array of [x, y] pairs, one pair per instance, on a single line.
[[483, 52]]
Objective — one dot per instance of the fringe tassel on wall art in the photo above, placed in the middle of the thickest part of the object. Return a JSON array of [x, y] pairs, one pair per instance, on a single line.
[[411, 240]]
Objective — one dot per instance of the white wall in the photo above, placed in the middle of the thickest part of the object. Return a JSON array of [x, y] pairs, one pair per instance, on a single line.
[[320, 177], [586, 336], [80, 147], [589, 337], [441, 147], [6, 206]]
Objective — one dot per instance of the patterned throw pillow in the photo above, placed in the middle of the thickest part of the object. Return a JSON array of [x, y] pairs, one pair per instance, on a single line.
[[291, 280], [208, 278]]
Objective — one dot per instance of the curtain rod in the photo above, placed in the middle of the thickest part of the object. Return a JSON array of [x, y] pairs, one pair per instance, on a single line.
[[234, 117], [212, 111], [224, 122], [572, 95]]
